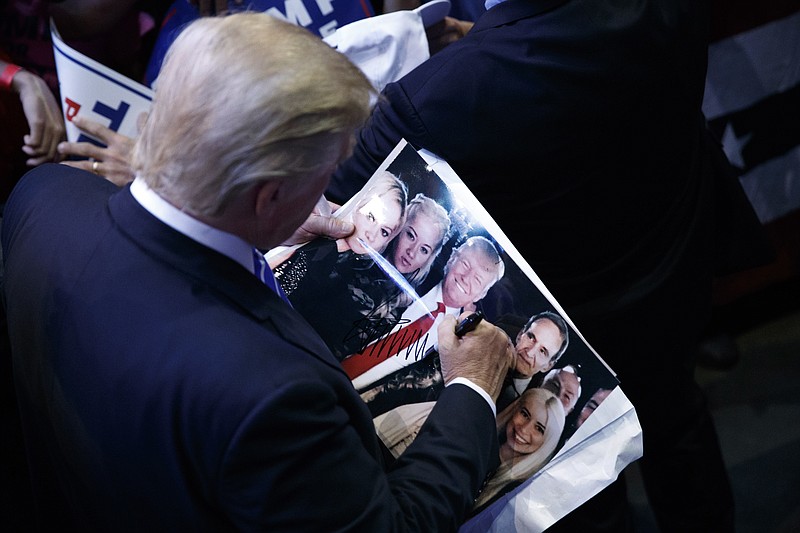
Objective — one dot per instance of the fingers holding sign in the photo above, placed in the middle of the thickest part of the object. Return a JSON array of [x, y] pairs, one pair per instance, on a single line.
[[112, 161]]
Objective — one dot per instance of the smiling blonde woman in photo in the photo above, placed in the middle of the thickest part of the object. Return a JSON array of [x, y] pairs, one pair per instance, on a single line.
[[528, 431]]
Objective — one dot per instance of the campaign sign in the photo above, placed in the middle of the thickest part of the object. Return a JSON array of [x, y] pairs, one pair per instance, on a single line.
[[97, 92], [320, 17]]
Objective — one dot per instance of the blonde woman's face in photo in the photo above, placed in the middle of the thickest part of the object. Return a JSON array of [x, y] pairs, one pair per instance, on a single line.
[[416, 243], [375, 222], [525, 431]]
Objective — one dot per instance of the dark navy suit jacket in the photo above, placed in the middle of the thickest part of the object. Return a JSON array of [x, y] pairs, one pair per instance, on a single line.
[[164, 387], [578, 125]]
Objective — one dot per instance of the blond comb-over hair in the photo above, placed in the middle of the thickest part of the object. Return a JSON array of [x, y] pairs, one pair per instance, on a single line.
[[243, 99]]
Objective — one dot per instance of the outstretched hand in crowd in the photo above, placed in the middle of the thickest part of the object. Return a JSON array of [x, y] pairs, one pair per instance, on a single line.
[[111, 161]]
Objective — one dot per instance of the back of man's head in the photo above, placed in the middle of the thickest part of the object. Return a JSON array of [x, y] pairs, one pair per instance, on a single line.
[[242, 99]]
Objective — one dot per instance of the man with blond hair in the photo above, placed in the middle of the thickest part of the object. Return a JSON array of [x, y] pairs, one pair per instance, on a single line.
[[163, 382]]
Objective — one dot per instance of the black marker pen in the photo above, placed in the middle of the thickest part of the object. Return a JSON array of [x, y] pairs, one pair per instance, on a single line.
[[469, 323]]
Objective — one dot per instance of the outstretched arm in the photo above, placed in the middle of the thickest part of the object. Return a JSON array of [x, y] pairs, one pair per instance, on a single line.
[[46, 127], [300, 465]]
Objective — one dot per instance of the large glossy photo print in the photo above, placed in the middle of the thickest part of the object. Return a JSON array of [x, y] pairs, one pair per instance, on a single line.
[[423, 249]]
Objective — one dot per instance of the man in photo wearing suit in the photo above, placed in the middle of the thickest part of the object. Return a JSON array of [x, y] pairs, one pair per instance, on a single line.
[[471, 270], [163, 383], [539, 344]]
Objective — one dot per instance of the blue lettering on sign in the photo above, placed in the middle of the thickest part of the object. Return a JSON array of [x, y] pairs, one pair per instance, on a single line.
[[115, 117]]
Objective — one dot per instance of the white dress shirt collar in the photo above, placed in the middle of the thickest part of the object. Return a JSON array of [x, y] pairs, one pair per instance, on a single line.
[[225, 243], [488, 4]]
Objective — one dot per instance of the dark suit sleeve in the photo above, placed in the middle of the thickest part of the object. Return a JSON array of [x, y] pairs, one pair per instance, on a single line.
[[394, 118], [298, 464]]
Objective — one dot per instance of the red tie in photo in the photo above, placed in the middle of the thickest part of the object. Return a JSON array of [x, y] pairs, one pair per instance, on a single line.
[[391, 345]]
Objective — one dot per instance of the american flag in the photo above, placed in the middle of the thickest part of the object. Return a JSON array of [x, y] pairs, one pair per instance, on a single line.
[[752, 98], [752, 102]]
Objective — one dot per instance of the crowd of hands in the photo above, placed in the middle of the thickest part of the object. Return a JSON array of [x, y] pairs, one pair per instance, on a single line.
[[46, 140]]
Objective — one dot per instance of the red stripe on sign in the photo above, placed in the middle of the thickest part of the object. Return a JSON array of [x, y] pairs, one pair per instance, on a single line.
[[729, 17]]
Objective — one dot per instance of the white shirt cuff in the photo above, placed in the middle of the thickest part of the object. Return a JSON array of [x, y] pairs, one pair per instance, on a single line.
[[476, 388]]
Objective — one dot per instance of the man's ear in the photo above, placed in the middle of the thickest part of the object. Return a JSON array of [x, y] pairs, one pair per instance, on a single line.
[[268, 195]]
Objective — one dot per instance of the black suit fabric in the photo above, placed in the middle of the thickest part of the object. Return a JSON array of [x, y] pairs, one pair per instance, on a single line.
[[163, 387]]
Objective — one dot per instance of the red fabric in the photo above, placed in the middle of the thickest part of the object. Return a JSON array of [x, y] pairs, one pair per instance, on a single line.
[[7, 76], [391, 345]]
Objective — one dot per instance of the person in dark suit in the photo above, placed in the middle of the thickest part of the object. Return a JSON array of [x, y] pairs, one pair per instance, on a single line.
[[578, 125], [163, 383]]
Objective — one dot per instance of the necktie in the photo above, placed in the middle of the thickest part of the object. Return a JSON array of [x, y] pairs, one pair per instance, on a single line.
[[391, 345], [263, 272]]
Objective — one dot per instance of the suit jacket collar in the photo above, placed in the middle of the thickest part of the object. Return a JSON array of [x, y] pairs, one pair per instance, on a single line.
[[513, 10], [215, 270]]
